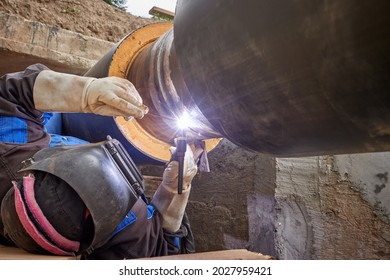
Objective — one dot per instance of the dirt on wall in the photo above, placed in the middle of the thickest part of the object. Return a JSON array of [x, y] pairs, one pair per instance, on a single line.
[[89, 17], [352, 229]]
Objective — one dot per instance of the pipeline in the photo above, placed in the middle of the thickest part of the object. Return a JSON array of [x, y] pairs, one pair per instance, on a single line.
[[291, 79]]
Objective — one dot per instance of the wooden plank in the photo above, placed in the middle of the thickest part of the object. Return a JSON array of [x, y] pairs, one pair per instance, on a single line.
[[236, 254], [13, 253]]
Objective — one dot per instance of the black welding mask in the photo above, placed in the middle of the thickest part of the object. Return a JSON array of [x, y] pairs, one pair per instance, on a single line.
[[72, 198]]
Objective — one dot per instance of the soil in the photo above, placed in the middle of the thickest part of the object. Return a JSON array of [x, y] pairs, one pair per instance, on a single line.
[[93, 18]]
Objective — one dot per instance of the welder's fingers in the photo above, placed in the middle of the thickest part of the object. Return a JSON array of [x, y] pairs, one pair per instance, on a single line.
[[118, 107], [190, 167], [106, 110], [197, 150], [193, 150], [172, 150], [113, 96], [128, 90], [129, 93]]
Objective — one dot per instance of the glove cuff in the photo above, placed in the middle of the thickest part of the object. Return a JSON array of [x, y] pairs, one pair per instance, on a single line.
[[84, 100], [59, 92], [171, 206]]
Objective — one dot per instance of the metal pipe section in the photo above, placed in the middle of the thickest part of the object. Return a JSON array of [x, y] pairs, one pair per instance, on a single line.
[[158, 78], [297, 78], [289, 78]]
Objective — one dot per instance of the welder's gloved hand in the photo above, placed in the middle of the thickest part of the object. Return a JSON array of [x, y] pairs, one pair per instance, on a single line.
[[166, 199], [110, 96]]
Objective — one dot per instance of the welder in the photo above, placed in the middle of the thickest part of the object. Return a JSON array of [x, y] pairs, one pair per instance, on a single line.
[[74, 200]]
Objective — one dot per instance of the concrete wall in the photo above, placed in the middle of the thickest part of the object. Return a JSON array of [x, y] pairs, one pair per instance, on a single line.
[[333, 207], [233, 206], [326, 207]]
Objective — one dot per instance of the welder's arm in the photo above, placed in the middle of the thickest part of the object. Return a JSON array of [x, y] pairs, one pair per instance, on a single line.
[[166, 199], [110, 96]]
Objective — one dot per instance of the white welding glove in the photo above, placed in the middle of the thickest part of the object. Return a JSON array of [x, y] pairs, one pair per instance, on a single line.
[[166, 199], [110, 96]]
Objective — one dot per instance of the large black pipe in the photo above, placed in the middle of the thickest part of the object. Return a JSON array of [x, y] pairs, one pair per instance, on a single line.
[[290, 78], [285, 78]]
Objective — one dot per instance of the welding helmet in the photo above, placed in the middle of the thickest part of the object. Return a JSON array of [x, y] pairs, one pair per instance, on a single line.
[[71, 200]]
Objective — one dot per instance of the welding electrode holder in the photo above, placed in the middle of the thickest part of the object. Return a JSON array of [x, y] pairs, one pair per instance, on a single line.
[[125, 164], [181, 147]]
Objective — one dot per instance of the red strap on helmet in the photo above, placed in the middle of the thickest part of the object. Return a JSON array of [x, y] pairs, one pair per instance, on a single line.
[[59, 245], [54, 235]]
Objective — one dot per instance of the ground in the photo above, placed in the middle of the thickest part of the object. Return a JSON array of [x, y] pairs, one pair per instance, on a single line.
[[89, 17]]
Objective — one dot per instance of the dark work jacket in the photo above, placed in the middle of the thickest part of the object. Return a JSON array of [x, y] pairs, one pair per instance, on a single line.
[[143, 238], [16, 103]]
